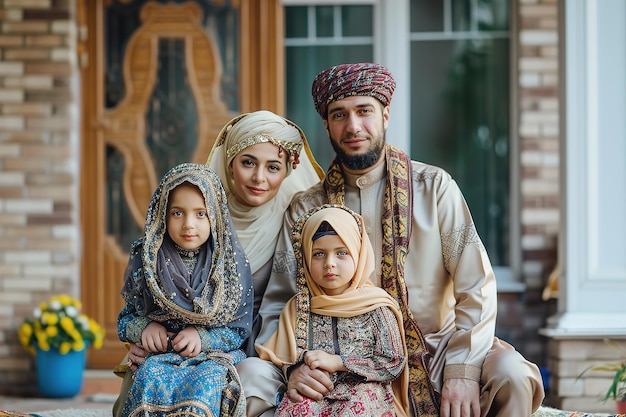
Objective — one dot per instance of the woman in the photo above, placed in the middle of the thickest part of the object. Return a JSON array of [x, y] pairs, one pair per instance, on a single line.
[[246, 156], [263, 160]]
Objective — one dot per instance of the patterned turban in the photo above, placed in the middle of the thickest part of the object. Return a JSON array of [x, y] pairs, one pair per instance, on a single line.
[[345, 80]]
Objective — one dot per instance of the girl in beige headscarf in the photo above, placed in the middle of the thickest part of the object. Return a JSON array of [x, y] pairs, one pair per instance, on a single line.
[[340, 322]]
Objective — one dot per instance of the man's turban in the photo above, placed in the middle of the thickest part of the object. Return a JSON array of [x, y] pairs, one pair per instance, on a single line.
[[345, 80]]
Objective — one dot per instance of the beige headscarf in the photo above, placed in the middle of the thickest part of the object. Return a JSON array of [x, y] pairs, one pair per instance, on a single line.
[[286, 346], [258, 227]]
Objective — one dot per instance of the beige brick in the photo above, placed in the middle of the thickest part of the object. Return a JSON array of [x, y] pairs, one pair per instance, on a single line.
[[31, 165], [61, 55], [15, 297], [11, 68], [8, 149], [588, 404], [539, 216], [25, 27], [14, 363], [538, 64], [30, 232], [11, 14], [51, 192], [45, 40], [28, 284], [33, 271], [12, 192], [10, 40], [30, 81], [30, 54], [12, 178], [11, 123], [34, 150], [12, 219], [27, 109], [539, 187], [6, 270], [29, 257], [49, 123], [10, 95], [570, 387], [542, 11], [61, 26], [28, 206], [538, 37], [529, 79], [529, 130], [6, 310], [50, 68], [64, 231], [38, 4]]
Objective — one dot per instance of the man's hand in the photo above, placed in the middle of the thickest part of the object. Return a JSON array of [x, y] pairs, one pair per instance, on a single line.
[[311, 383], [187, 342], [459, 398]]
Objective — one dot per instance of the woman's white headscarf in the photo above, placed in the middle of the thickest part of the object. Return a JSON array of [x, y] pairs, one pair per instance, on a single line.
[[258, 227]]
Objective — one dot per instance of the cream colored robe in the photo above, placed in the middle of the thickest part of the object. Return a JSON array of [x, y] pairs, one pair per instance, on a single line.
[[451, 285]]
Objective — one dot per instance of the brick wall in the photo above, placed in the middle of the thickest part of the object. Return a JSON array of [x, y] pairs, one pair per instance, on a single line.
[[568, 359], [39, 172], [538, 130]]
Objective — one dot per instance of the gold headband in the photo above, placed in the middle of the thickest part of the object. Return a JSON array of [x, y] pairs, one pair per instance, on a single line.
[[293, 148]]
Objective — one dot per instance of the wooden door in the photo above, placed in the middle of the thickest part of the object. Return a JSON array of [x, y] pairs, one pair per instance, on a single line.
[[155, 98]]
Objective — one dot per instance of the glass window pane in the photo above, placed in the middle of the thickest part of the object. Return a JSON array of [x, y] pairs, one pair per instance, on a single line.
[[352, 18], [461, 16], [324, 21], [460, 121], [426, 15], [296, 25], [492, 15]]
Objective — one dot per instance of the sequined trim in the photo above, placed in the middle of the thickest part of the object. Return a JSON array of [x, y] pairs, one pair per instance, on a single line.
[[291, 147]]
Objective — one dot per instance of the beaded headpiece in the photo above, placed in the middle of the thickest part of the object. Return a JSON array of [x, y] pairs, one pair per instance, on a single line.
[[293, 148]]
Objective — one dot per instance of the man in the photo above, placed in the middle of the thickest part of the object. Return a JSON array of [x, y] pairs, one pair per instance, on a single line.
[[430, 258]]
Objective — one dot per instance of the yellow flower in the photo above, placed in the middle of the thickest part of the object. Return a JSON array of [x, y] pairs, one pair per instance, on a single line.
[[49, 318], [67, 324], [52, 331], [58, 324], [65, 347]]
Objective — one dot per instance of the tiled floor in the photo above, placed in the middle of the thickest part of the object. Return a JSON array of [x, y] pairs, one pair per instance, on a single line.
[[99, 391]]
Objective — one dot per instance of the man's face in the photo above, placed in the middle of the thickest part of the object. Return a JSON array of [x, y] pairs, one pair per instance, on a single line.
[[356, 126]]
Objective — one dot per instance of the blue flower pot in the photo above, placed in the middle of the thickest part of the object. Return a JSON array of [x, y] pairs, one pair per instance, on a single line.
[[60, 376]]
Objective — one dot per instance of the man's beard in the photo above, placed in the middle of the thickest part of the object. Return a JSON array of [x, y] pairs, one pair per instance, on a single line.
[[359, 162]]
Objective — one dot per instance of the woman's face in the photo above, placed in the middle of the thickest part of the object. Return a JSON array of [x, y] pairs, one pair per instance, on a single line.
[[258, 172]]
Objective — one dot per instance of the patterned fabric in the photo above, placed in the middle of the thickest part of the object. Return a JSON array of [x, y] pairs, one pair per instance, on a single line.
[[396, 235], [220, 306], [363, 325], [345, 80]]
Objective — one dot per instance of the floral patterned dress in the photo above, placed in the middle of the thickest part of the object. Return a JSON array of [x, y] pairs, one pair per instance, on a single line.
[[371, 348]]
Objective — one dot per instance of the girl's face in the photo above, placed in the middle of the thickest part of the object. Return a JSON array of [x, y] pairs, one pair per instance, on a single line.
[[332, 266], [258, 173], [187, 219]]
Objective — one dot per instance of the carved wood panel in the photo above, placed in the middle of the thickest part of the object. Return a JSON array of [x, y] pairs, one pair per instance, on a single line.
[[123, 128]]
